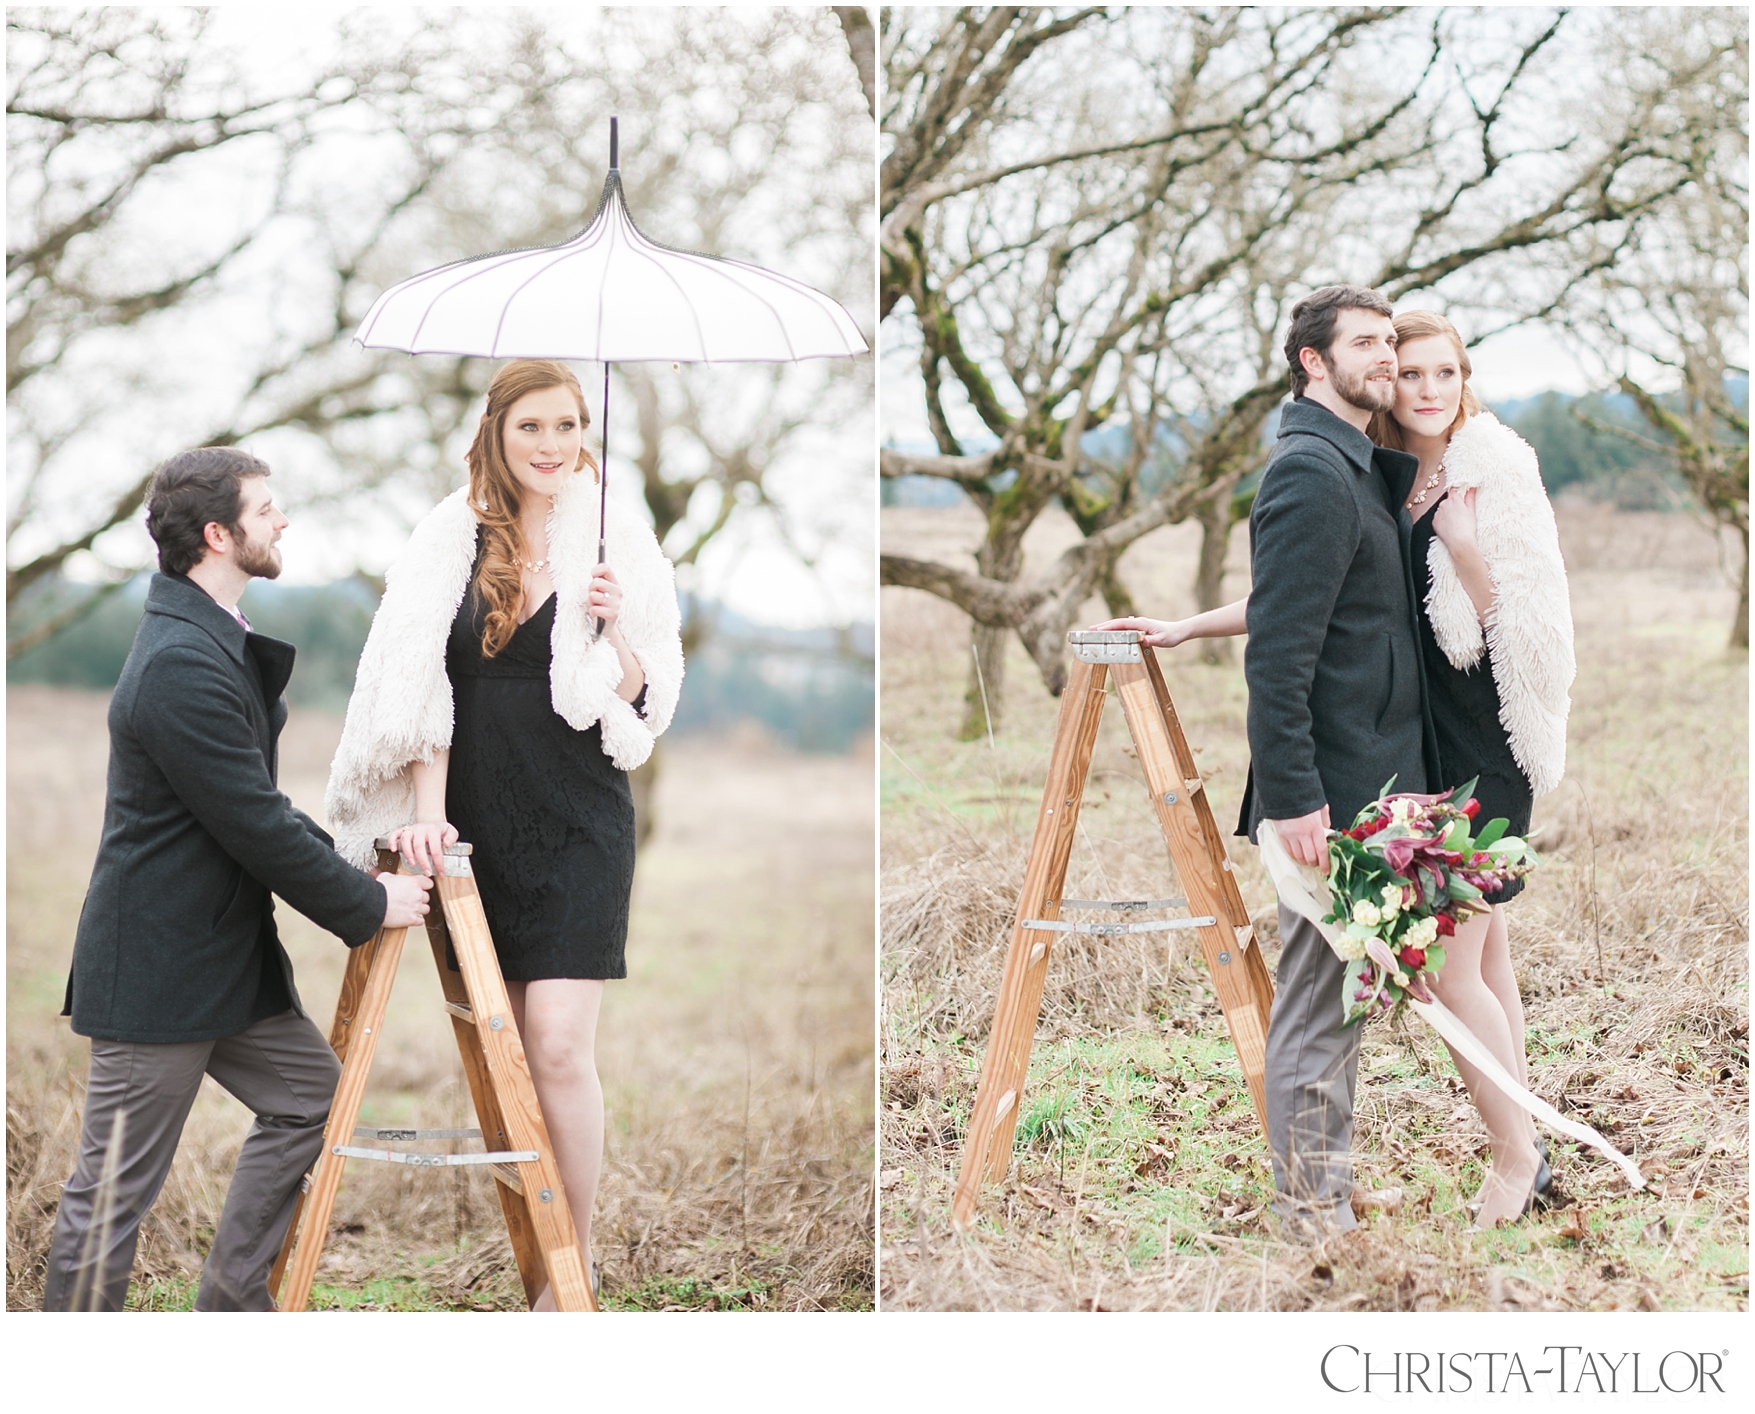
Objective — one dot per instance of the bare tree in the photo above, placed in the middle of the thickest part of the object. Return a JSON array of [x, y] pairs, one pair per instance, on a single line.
[[1674, 309], [431, 141], [861, 48], [1230, 160], [109, 114]]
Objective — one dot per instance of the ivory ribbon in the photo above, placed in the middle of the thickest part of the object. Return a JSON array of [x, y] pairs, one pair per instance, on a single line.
[[1305, 891]]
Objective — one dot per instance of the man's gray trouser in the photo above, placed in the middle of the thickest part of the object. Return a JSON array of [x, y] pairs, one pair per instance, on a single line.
[[1312, 1071], [281, 1068]]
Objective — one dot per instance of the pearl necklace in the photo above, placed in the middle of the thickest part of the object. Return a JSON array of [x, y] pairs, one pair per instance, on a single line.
[[536, 566]]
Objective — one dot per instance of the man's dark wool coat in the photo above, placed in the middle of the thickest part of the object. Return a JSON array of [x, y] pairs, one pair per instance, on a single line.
[[1337, 692], [177, 939]]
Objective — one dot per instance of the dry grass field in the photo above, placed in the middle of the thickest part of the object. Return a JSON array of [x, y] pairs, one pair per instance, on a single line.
[[1139, 1177], [737, 1057]]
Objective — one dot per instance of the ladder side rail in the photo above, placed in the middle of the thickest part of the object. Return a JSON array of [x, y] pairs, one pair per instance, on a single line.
[[1073, 768], [344, 1110], [525, 1251], [347, 1005], [988, 1137], [1239, 911], [1246, 1009], [1260, 982], [508, 1074]]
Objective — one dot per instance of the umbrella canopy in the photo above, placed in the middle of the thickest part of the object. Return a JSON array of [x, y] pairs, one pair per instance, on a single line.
[[610, 295], [607, 296]]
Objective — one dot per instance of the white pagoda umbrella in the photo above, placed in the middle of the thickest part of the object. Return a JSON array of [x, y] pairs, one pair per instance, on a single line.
[[610, 295]]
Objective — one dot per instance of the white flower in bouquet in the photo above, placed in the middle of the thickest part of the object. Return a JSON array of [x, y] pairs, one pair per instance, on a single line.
[[1423, 934], [1351, 945], [1402, 811], [1392, 901], [1366, 912]]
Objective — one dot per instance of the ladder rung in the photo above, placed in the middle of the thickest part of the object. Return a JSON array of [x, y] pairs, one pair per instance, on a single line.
[[462, 1013], [1123, 905], [508, 1176], [360, 1131], [396, 1156], [1109, 930]]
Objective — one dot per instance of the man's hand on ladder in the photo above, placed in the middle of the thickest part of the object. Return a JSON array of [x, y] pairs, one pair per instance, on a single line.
[[405, 899]]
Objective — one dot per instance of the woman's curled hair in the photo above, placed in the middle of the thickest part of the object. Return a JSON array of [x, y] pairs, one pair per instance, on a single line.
[[496, 497]]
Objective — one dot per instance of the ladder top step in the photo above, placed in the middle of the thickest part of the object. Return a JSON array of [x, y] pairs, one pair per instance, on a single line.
[[460, 848], [1106, 646]]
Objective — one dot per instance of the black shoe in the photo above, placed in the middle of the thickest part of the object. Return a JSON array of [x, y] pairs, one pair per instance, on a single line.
[[1540, 1191], [1544, 1177]]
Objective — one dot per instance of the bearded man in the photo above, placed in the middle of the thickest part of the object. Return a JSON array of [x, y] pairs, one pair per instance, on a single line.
[[178, 971], [1337, 704]]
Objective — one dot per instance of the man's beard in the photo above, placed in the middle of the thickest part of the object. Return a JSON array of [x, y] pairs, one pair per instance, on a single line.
[[258, 561], [1358, 391]]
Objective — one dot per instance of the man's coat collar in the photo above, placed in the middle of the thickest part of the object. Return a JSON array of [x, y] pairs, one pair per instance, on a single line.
[[1398, 468]]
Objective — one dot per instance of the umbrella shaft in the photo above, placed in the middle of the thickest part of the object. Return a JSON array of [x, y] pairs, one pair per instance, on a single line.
[[603, 483]]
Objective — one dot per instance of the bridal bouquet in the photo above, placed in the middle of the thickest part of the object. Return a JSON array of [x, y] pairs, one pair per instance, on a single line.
[[1400, 879]]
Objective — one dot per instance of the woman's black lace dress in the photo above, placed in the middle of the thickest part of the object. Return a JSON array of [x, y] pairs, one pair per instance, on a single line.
[[550, 816], [1465, 711]]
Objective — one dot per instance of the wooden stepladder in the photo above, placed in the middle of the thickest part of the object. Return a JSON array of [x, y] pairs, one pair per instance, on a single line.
[[544, 1241], [1197, 852]]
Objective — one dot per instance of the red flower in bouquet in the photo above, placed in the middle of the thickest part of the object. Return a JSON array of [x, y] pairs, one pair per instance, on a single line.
[[1401, 877]]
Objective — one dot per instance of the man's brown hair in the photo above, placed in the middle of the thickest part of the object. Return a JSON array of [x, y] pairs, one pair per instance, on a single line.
[[191, 491], [1313, 324]]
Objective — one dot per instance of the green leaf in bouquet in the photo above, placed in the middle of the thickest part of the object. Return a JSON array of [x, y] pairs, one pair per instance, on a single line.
[[1491, 832], [1461, 888], [1387, 787], [1509, 850], [1457, 836], [1434, 959], [1464, 792]]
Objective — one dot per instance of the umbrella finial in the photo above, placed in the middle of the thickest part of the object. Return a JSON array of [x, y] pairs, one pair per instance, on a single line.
[[614, 155]]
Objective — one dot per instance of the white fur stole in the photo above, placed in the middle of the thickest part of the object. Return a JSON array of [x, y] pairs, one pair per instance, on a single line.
[[401, 709], [1529, 631]]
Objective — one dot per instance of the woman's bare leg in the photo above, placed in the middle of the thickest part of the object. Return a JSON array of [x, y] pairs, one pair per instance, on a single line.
[[557, 1019], [1497, 973], [1501, 980], [1461, 987]]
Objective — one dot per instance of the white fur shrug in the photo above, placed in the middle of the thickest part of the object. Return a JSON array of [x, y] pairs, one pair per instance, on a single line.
[[1529, 630], [400, 711]]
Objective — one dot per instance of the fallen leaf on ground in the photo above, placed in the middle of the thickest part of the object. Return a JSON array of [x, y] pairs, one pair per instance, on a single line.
[[1380, 1200]]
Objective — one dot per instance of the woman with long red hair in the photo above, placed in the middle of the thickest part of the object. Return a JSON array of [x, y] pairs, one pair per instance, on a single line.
[[488, 706], [1496, 651]]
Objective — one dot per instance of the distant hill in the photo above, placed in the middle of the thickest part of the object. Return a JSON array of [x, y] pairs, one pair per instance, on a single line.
[[806, 688], [1573, 456]]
